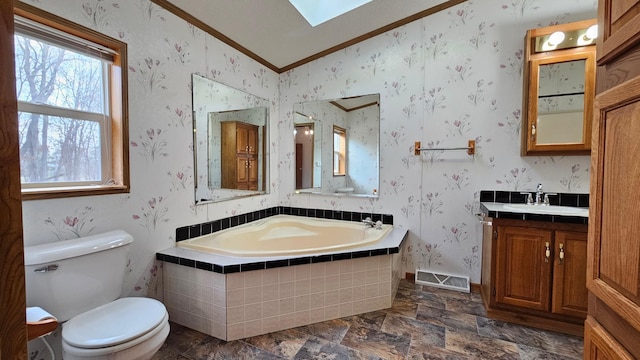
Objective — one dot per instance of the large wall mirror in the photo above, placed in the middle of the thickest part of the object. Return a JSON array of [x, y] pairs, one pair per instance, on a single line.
[[337, 146], [230, 142], [559, 89]]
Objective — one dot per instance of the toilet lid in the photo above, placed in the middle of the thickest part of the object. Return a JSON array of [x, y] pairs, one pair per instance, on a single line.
[[114, 323]]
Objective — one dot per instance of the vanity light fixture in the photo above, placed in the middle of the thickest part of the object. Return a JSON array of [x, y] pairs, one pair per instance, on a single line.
[[559, 40]]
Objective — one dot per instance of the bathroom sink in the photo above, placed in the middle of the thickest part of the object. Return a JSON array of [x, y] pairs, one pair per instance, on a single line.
[[549, 209]]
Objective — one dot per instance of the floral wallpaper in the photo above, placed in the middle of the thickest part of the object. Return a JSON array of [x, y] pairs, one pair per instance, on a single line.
[[443, 80], [447, 78], [163, 52]]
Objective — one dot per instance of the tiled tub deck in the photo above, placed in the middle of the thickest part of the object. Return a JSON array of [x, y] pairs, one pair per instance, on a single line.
[[233, 298]]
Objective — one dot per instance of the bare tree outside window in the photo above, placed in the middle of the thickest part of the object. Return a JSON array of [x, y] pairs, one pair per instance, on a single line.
[[61, 111]]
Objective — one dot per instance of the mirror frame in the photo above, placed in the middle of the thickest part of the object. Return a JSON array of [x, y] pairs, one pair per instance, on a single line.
[[531, 78], [247, 101]]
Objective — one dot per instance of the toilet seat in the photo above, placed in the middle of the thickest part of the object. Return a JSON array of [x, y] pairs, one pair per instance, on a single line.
[[116, 326]]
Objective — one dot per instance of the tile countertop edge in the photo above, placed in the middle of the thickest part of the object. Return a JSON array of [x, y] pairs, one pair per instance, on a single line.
[[391, 242], [500, 210]]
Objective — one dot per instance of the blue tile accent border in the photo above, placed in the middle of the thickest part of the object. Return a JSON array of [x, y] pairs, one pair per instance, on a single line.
[[192, 231]]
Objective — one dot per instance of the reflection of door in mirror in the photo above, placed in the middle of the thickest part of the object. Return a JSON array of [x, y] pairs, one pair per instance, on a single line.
[[559, 89], [304, 139], [239, 149], [561, 103]]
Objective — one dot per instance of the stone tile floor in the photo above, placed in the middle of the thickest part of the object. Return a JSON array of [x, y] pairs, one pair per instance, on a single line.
[[423, 323]]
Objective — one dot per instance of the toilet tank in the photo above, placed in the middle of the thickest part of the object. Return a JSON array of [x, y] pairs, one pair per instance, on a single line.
[[69, 277]]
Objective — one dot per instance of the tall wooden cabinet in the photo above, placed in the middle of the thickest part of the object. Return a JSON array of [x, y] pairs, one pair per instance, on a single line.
[[612, 329], [533, 274], [239, 155]]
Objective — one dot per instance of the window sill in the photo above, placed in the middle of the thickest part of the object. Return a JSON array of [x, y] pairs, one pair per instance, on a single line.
[[72, 191]]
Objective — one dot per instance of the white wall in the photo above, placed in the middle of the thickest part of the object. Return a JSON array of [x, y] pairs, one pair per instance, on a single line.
[[445, 79], [163, 52]]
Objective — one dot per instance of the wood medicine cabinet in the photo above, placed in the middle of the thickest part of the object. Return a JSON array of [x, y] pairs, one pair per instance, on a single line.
[[559, 88]]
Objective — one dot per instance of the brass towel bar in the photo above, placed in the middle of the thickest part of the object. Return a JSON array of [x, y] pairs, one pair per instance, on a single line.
[[471, 148]]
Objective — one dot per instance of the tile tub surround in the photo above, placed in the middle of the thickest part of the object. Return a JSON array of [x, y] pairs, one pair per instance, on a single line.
[[236, 297], [249, 303], [488, 198]]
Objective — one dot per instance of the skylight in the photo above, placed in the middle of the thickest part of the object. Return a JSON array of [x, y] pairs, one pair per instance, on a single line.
[[318, 11]]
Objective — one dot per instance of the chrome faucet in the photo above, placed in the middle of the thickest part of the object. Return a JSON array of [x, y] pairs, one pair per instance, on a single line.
[[373, 224], [539, 194], [369, 222]]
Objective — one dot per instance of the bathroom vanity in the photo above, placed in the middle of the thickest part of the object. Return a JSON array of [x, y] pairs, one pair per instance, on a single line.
[[534, 265]]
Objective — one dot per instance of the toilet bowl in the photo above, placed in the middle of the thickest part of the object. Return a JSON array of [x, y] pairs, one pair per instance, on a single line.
[[79, 281], [127, 328]]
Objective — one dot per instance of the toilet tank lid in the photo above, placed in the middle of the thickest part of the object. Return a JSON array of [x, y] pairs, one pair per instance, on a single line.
[[66, 249]]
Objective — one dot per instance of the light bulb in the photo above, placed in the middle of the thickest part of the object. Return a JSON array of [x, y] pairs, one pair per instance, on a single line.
[[556, 38], [592, 32]]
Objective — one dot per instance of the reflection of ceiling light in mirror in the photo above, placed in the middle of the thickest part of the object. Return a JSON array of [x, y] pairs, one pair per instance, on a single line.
[[318, 11]]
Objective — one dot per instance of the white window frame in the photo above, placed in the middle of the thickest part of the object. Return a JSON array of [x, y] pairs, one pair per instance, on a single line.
[[339, 153]]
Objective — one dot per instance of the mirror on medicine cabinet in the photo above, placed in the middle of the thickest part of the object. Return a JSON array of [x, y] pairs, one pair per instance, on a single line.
[[230, 130], [337, 146], [559, 89]]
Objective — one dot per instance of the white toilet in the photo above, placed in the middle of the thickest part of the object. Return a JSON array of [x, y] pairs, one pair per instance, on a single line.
[[79, 281]]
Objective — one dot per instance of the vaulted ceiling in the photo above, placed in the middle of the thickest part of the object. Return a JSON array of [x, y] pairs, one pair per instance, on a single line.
[[273, 33]]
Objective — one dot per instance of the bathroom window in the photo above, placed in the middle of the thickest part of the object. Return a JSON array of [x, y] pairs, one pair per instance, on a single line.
[[339, 151], [72, 115]]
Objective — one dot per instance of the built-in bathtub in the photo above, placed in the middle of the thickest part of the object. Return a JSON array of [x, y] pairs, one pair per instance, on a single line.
[[245, 293], [288, 235]]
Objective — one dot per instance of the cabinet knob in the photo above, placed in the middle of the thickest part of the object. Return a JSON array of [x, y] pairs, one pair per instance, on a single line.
[[533, 133], [561, 254], [547, 252]]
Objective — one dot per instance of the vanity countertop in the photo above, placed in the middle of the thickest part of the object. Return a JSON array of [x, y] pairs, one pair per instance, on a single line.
[[550, 213]]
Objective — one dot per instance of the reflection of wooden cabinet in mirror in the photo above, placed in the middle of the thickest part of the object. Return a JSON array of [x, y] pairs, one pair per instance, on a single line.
[[559, 88], [239, 155]]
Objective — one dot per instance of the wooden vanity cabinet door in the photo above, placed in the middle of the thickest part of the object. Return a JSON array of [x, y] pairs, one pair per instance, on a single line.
[[242, 139], [600, 345], [252, 140], [619, 31], [569, 290], [242, 170], [239, 156], [523, 272]]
